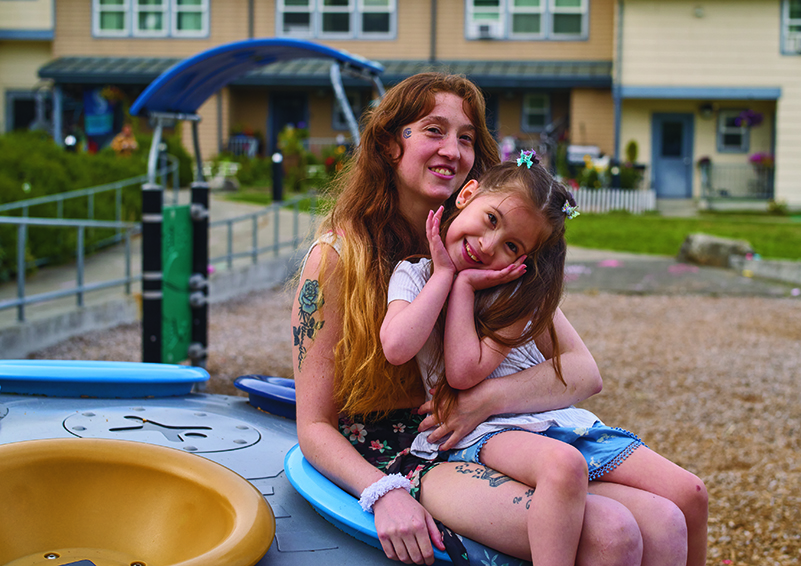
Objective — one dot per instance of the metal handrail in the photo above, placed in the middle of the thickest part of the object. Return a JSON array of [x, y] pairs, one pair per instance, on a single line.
[[132, 228], [80, 287]]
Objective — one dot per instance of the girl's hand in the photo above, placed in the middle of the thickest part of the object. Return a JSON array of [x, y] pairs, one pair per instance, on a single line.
[[479, 279], [405, 528], [469, 411], [439, 255]]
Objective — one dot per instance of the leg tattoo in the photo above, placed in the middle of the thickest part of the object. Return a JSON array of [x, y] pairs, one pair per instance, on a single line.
[[494, 477]]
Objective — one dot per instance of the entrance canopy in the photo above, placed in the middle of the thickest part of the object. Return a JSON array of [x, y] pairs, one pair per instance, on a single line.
[[184, 87]]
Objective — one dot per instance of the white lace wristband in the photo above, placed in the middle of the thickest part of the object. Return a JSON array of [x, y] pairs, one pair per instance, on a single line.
[[372, 493]]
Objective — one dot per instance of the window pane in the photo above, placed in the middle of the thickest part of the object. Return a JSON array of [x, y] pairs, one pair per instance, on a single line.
[[795, 9], [526, 23], [527, 3], [336, 23], [568, 3], [304, 3], [190, 21], [149, 2], [536, 103], [114, 21], [672, 134], [297, 22], [376, 3], [732, 141], [486, 16], [343, 3], [151, 21], [486, 3], [375, 23], [112, 2], [567, 24], [190, 2]]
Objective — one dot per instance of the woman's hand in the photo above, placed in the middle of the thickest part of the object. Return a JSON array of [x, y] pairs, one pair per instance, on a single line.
[[470, 410], [439, 255], [405, 529]]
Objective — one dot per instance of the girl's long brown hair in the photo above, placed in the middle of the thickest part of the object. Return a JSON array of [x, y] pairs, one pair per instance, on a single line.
[[536, 295], [375, 236]]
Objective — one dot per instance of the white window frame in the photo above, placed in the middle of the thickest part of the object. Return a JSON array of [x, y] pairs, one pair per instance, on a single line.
[[177, 9], [165, 19], [791, 40], [355, 9], [525, 112], [723, 130], [131, 9], [507, 10], [99, 9]]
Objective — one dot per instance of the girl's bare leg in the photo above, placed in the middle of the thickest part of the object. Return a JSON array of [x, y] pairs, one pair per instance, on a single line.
[[646, 470], [556, 507], [492, 509]]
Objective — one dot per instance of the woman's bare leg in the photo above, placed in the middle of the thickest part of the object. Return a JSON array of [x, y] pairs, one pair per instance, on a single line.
[[661, 523], [556, 506], [492, 509], [647, 470]]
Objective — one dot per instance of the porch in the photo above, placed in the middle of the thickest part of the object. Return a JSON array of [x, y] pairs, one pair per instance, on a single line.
[[736, 181]]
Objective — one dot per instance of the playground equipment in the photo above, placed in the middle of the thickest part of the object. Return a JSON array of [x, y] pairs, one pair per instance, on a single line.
[[175, 239]]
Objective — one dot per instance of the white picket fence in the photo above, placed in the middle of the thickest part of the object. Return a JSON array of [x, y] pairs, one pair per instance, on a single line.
[[635, 201]]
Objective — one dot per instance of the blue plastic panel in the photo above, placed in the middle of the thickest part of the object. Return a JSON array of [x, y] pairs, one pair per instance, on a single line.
[[78, 378], [274, 395], [332, 502]]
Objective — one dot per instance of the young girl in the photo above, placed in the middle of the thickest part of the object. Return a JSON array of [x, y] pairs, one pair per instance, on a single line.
[[498, 274]]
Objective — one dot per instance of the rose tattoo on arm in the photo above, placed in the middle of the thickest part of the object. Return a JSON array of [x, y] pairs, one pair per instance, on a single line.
[[309, 302]]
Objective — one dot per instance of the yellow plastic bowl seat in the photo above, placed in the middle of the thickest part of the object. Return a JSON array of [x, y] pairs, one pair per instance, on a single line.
[[122, 503]]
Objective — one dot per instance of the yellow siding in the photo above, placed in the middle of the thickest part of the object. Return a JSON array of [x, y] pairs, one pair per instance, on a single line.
[[592, 119], [451, 42], [229, 22], [249, 110], [735, 43], [26, 14], [19, 63], [210, 127]]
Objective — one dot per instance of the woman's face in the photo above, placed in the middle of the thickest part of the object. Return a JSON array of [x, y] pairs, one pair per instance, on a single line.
[[438, 153]]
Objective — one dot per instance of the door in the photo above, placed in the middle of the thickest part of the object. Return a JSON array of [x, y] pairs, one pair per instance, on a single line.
[[286, 108], [672, 155]]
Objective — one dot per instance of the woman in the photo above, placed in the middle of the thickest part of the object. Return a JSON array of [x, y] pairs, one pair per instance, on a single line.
[[356, 412]]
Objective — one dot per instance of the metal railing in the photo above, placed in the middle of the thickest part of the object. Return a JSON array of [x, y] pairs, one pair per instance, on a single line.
[[81, 287], [283, 236], [737, 181], [255, 250]]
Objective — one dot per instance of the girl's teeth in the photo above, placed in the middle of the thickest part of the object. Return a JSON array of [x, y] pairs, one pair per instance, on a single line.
[[470, 252], [442, 171]]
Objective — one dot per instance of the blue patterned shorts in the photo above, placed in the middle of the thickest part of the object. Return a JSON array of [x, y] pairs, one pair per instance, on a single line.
[[603, 447]]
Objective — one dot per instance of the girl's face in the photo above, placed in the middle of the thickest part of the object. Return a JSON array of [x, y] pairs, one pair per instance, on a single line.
[[438, 153], [493, 229]]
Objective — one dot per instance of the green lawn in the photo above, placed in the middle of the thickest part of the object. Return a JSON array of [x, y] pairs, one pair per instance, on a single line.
[[774, 237]]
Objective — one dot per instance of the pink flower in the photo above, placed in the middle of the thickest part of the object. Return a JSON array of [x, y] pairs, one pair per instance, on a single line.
[[380, 446], [357, 433]]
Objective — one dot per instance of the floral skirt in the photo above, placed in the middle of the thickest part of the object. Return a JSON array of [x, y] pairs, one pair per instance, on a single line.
[[386, 444]]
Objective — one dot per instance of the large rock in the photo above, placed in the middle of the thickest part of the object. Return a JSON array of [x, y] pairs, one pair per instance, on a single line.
[[704, 249]]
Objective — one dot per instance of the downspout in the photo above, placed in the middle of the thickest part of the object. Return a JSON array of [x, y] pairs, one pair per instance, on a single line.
[[432, 56], [617, 79], [251, 16]]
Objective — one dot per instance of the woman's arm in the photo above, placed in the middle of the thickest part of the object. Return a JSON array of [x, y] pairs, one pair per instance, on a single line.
[[532, 390], [404, 527]]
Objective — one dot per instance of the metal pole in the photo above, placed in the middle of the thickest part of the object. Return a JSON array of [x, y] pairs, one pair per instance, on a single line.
[[199, 281], [152, 217], [79, 278], [22, 234]]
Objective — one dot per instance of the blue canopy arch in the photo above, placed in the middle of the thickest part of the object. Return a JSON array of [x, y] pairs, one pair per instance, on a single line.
[[179, 91]]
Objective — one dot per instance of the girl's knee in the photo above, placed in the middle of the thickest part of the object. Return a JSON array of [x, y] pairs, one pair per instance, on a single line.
[[567, 469], [693, 499]]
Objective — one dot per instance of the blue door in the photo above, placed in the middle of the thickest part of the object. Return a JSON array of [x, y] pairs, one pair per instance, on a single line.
[[672, 155]]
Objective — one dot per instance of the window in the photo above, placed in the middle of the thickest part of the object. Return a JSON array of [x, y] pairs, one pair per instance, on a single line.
[[536, 112], [527, 19], [791, 27], [732, 133], [340, 121], [150, 18], [363, 19]]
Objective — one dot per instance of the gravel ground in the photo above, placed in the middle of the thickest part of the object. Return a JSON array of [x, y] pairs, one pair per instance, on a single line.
[[711, 383]]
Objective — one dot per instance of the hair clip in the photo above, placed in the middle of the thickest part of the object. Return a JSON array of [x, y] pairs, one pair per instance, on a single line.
[[570, 211], [529, 157]]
